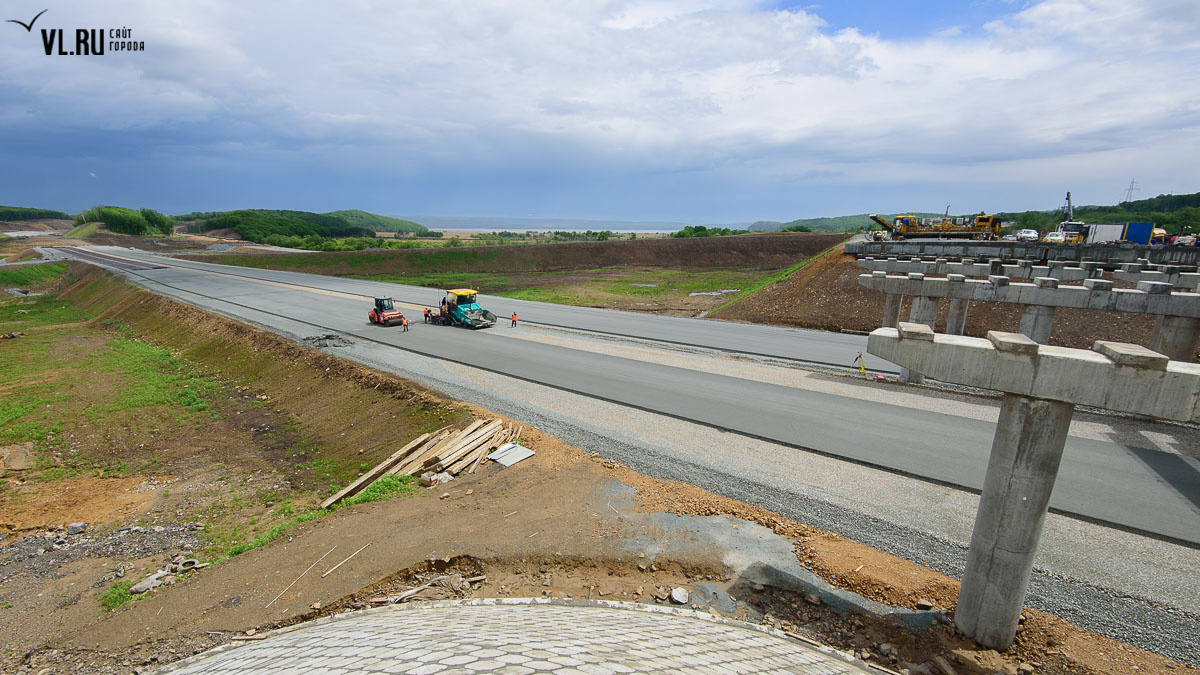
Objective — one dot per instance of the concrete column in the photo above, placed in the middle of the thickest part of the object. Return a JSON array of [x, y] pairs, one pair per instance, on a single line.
[[1036, 322], [923, 311], [1021, 470], [891, 310], [1176, 336], [956, 319]]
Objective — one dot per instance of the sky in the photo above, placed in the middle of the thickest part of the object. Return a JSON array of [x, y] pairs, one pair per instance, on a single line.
[[704, 111]]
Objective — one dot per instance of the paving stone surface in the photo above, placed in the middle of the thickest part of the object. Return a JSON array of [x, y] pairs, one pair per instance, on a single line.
[[519, 636]]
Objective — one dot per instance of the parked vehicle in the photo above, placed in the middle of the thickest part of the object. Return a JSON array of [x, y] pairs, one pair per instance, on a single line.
[[1055, 237], [1027, 235]]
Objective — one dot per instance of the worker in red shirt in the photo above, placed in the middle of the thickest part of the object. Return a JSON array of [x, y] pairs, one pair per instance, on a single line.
[[514, 320]]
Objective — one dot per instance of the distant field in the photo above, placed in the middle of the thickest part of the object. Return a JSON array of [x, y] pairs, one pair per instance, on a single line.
[[649, 275], [641, 289]]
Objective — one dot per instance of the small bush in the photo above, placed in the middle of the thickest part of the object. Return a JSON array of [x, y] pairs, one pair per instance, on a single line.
[[117, 596]]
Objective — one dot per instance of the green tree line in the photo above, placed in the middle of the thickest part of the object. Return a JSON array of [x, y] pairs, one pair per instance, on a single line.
[[128, 221], [19, 213]]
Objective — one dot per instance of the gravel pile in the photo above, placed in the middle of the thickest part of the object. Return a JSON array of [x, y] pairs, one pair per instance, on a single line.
[[42, 556]]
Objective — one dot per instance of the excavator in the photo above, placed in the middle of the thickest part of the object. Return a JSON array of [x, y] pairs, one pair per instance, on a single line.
[[459, 308]]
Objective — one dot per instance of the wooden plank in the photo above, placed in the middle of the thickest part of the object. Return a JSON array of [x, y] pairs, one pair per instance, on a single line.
[[415, 460], [418, 461], [473, 457], [452, 453], [481, 436], [466, 439], [372, 475], [418, 451], [467, 459]]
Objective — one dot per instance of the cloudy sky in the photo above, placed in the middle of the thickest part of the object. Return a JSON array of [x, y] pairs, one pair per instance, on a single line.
[[704, 111]]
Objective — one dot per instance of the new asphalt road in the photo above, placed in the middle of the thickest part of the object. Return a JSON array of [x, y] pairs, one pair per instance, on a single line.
[[1136, 488]]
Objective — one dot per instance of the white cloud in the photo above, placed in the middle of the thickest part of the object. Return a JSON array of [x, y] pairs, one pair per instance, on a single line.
[[713, 86]]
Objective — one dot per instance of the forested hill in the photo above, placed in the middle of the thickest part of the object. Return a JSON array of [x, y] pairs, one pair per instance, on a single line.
[[260, 224], [376, 222], [20, 213], [1174, 213]]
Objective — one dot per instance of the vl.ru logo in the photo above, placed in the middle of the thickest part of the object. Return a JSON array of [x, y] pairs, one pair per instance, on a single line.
[[88, 41]]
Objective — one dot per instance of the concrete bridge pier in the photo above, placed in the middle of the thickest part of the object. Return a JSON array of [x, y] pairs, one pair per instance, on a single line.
[[891, 310], [1176, 336], [956, 317], [1026, 451], [1042, 386], [1036, 322], [924, 312]]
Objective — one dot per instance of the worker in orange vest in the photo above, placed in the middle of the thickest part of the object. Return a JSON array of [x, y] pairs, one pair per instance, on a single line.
[[426, 315], [514, 323], [404, 322]]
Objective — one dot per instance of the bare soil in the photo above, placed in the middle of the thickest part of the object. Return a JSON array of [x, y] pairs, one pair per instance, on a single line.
[[46, 225], [761, 251], [546, 526]]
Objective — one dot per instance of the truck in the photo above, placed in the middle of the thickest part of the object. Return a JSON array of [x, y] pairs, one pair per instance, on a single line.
[[460, 308], [1076, 232]]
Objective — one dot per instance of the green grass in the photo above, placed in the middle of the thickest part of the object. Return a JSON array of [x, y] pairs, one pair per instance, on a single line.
[[83, 231], [274, 533], [476, 280], [681, 282], [156, 378], [117, 596], [386, 487], [25, 275]]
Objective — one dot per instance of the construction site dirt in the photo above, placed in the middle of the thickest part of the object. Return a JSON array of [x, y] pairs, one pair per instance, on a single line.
[[564, 523]]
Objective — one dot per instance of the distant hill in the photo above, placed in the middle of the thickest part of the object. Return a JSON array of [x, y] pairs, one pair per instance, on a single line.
[[544, 224], [258, 224], [376, 222], [19, 213], [834, 224]]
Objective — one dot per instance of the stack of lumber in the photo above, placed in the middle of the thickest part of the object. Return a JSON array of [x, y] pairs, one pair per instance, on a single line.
[[446, 451]]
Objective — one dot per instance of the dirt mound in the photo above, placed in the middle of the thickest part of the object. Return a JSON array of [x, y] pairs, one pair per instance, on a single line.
[[49, 225], [763, 251], [825, 295]]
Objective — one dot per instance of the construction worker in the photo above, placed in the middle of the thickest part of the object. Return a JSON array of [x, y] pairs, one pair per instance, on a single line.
[[514, 320], [404, 322], [426, 315]]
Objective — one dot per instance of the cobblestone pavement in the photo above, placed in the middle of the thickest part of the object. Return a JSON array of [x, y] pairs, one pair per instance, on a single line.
[[522, 636]]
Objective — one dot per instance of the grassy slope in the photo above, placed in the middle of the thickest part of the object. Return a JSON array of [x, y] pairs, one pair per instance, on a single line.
[[142, 365], [83, 231]]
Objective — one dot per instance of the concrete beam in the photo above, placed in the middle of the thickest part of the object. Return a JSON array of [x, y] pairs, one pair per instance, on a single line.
[[1149, 298], [1113, 376], [975, 269], [1030, 250], [1187, 281]]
